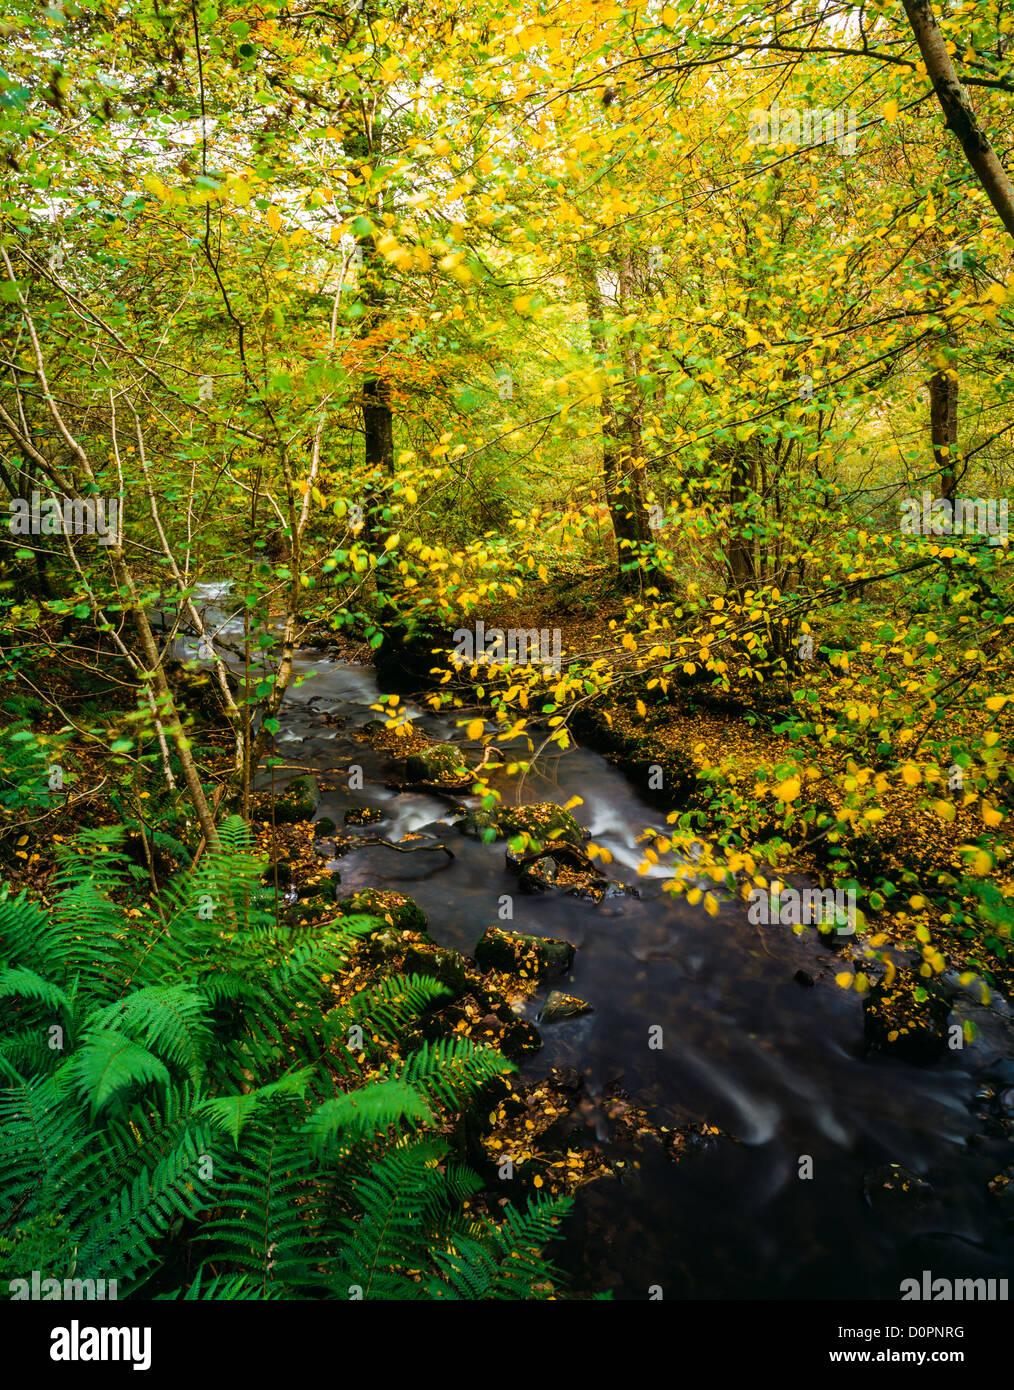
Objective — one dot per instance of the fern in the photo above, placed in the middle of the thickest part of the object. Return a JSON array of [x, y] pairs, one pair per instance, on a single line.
[[173, 1069]]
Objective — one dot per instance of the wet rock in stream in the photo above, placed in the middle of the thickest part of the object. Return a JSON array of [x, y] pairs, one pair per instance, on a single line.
[[559, 1006], [447, 967], [892, 1189], [1001, 1192], [322, 886], [529, 957], [298, 802], [395, 908], [537, 876], [558, 1137], [443, 762]]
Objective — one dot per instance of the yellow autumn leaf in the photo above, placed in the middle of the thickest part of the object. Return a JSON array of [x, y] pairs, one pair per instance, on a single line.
[[475, 729], [156, 186]]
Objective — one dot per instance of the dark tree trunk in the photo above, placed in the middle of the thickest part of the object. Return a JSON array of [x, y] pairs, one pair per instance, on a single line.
[[943, 394], [378, 417], [622, 463], [739, 553]]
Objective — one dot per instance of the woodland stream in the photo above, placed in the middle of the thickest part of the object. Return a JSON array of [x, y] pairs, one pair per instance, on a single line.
[[777, 1066]]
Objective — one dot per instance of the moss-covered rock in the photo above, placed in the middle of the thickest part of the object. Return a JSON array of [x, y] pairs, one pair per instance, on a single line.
[[386, 943], [538, 875], [531, 957], [517, 1038], [394, 908], [480, 824], [363, 815], [306, 913], [280, 871], [298, 802], [543, 822], [321, 887], [443, 762], [448, 967]]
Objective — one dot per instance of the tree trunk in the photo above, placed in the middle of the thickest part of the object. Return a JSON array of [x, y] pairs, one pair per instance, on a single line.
[[958, 110], [739, 552], [625, 504], [378, 417], [943, 394]]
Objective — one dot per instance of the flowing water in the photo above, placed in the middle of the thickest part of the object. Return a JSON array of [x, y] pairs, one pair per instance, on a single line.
[[778, 1067]]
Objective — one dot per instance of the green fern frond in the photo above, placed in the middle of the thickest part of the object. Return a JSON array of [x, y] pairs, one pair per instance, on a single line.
[[270, 1211], [366, 1112], [231, 1113], [386, 1007], [108, 1064], [170, 1020], [229, 1287], [20, 982], [406, 1203], [453, 1069], [199, 1080]]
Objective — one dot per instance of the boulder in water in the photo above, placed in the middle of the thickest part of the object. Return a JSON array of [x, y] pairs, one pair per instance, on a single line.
[[559, 1005], [892, 1188], [394, 908], [531, 957], [538, 875], [447, 967], [298, 802], [1001, 1191], [442, 762], [480, 824], [543, 822]]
